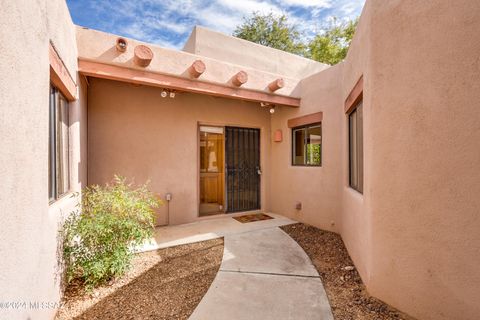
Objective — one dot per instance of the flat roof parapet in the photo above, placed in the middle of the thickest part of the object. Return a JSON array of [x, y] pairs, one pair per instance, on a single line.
[[216, 45], [99, 57]]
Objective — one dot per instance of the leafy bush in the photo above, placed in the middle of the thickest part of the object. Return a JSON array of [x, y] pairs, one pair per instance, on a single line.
[[108, 222]]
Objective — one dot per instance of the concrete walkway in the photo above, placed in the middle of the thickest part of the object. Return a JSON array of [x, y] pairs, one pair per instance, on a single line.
[[264, 275], [207, 229]]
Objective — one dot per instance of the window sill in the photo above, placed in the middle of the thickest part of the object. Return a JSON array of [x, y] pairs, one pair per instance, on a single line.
[[69, 195], [354, 192], [305, 166]]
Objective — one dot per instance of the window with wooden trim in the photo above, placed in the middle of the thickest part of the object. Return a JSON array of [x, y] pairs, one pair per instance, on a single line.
[[355, 142], [307, 145], [58, 151]]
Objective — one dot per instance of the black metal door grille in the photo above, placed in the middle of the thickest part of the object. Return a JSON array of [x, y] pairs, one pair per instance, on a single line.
[[242, 150]]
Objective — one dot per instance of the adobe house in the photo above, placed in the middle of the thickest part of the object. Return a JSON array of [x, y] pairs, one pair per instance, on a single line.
[[382, 148]]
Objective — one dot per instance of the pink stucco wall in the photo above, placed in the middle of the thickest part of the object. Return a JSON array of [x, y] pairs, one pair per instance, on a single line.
[[317, 188], [134, 132], [424, 160], [29, 270], [413, 234]]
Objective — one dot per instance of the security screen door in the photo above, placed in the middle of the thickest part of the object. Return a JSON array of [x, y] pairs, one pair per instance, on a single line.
[[242, 158]]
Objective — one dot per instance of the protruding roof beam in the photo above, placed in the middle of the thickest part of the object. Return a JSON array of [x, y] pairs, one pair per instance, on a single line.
[[277, 84], [143, 55], [197, 68], [240, 78], [146, 77]]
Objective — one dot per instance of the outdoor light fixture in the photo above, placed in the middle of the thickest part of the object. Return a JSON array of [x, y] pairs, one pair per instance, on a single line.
[[168, 93], [268, 105]]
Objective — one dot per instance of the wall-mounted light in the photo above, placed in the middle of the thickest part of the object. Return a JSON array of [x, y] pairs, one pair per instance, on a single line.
[[268, 105], [168, 93]]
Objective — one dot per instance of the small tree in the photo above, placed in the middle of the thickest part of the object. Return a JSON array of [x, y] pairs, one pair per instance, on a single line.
[[100, 234], [331, 46], [272, 31]]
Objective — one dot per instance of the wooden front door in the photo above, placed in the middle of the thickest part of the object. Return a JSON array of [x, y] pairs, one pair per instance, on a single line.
[[242, 151], [212, 176]]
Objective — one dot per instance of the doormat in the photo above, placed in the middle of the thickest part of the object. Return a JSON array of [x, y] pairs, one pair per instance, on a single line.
[[252, 217]]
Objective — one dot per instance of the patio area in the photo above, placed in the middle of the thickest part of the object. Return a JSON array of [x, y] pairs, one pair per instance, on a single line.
[[261, 266], [369, 167], [225, 267], [208, 229]]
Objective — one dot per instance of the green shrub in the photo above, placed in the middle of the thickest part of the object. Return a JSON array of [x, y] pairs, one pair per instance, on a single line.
[[108, 222]]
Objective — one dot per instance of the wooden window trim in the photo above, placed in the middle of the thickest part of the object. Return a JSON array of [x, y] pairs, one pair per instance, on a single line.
[[60, 77], [305, 120], [355, 96], [303, 127]]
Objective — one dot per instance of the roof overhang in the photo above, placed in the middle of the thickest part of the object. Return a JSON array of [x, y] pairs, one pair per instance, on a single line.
[[144, 77]]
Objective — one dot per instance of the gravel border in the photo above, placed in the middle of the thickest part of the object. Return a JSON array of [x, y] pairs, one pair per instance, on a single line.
[[162, 284], [345, 290]]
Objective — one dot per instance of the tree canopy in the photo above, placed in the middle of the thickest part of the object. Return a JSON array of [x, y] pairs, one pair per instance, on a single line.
[[271, 31], [332, 45], [328, 46]]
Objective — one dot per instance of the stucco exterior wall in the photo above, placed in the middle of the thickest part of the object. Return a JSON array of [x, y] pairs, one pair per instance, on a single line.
[[317, 188], [28, 232], [413, 234], [135, 133], [424, 159], [216, 45], [355, 215]]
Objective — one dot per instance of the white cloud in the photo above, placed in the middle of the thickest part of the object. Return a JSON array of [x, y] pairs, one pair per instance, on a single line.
[[158, 23], [350, 8], [308, 3], [212, 18], [246, 7]]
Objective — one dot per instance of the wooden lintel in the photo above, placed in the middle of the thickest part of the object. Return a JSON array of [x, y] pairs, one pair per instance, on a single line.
[[306, 119], [118, 73], [354, 97], [60, 77]]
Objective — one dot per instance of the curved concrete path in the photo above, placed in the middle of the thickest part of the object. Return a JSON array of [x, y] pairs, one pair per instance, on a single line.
[[264, 275]]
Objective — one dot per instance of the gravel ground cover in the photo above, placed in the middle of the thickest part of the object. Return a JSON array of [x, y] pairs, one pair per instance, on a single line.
[[345, 290], [162, 284]]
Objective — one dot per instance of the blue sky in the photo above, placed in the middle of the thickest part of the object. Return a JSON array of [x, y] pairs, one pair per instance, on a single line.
[[168, 23]]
